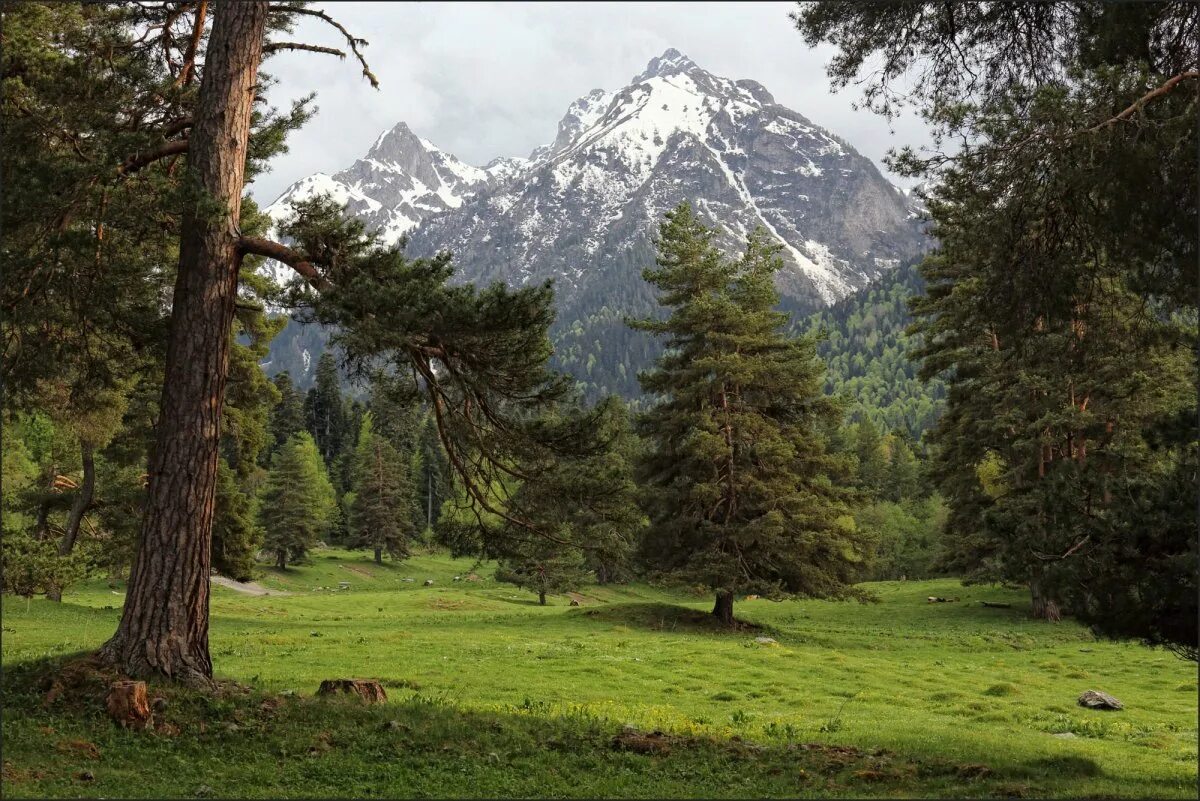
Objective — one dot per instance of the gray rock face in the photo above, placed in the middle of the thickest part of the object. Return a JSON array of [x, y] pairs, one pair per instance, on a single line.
[[587, 204], [1094, 699]]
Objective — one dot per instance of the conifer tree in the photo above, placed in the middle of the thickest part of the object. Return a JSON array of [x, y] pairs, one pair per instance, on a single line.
[[380, 514], [433, 475], [298, 502], [1061, 307], [325, 410], [740, 485], [586, 503], [287, 418]]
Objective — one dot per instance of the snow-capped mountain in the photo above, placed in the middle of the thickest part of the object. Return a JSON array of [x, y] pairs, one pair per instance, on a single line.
[[583, 209]]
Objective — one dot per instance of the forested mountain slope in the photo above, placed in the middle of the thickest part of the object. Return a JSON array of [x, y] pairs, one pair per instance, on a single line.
[[866, 351]]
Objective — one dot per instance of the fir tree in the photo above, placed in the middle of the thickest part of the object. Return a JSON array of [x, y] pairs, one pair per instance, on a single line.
[[585, 505], [325, 410], [298, 502], [380, 512], [1061, 307], [740, 488], [287, 418]]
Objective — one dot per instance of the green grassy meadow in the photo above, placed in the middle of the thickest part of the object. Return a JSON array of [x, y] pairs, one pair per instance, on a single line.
[[493, 695]]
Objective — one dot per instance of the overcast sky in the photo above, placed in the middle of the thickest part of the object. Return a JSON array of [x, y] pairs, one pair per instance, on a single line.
[[482, 80]]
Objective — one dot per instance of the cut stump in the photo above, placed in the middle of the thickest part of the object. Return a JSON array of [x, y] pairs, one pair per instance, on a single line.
[[369, 690], [128, 704]]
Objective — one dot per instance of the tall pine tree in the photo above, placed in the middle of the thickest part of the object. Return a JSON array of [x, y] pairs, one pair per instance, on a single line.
[[740, 485]]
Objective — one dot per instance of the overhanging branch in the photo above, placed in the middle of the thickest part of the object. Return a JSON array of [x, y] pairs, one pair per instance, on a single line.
[[350, 40], [258, 246]]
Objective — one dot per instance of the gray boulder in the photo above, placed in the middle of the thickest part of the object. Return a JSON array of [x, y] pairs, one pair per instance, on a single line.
[[1094, 699]]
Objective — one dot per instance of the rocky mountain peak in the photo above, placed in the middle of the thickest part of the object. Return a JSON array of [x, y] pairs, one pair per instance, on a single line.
[[583, 209], [671, 62]]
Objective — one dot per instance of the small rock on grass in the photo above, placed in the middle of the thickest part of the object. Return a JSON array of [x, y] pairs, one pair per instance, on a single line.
[[766, 641], [1094, 699]]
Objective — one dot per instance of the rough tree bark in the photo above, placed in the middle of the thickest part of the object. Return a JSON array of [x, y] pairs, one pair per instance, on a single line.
[[164, 625], [379, 556], [1044, 606], [723, 608]]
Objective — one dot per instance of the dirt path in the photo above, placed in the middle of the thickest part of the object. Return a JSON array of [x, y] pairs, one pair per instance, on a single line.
[[247, 587]]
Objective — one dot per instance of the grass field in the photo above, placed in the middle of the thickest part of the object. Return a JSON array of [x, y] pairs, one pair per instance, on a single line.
[[492, 695]]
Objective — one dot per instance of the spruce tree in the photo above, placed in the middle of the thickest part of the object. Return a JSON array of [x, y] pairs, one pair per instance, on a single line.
[[287, 418], [380, 515], [585, 504], [741, 488], [1061, 307], [325, 410], [298, 502]]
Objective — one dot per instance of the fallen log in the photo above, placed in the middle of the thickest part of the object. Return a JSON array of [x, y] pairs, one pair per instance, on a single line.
[[934, 599], [996, 605]]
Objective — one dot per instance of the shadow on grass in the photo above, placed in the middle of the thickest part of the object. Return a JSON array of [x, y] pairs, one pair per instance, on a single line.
[[664, 617], [240, 741]]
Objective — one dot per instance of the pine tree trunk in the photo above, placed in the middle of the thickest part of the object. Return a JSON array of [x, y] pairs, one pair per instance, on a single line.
[[281, 559], [723, 608], [164, 626], [379, 556], [1044, 606], [542, 597], [79, 507]]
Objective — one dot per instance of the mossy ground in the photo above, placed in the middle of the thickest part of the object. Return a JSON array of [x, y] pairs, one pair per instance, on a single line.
[[493, 695]]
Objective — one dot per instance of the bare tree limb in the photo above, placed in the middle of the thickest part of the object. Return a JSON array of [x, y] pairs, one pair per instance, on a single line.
[[274, 47], [350, 40], [179, 126]]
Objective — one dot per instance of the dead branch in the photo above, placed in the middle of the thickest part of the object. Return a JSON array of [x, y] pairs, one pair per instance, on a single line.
[[274, 47], [351, 40]]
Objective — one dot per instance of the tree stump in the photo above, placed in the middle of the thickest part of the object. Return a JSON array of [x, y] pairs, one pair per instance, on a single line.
[[128, 705], [369, 690]]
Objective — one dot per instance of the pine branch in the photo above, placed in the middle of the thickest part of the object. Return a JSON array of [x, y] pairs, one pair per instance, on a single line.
[[1170, 84], [258, 246], [188, 70], [351, 40], [143, 158]]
